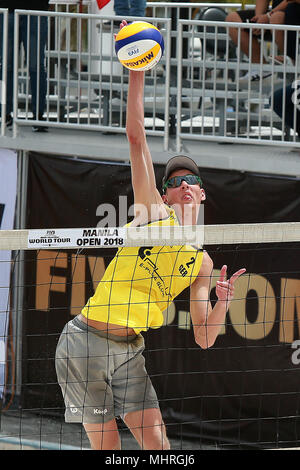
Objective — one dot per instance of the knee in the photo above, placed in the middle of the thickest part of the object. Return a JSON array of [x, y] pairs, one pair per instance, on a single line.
[[277, 17], [155, 438], [156, 442], [103, 437], [233, 17], [100, 446]]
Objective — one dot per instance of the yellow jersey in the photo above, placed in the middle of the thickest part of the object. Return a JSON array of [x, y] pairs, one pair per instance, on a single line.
[[140, 283]]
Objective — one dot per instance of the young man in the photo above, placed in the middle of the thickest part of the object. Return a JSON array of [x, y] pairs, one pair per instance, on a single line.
[[33, 36], [99, 359]]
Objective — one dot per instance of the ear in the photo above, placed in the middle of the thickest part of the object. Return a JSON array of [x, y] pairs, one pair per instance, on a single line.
[[164, 198], [203, 195]]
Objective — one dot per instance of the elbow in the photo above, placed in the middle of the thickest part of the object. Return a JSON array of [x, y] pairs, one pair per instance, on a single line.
[[204, 342], [132, 137], [205, 336], [135, 135]]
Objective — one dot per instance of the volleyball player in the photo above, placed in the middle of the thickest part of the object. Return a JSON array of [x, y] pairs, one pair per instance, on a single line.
[[99, 361]]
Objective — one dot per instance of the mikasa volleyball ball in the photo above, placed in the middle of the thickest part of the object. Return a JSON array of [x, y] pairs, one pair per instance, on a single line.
[[139, 46]]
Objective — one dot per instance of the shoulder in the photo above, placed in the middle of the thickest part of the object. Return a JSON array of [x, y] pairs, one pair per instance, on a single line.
[[207, 264]]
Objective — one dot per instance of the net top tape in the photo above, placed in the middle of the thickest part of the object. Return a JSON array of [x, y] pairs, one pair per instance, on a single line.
[[99, 237]]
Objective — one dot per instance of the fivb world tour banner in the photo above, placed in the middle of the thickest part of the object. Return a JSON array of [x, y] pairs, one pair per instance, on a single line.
[[244, 391], [8, 188]]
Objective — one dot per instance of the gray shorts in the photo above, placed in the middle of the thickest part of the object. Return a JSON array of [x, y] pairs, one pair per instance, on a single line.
[[101, 376]]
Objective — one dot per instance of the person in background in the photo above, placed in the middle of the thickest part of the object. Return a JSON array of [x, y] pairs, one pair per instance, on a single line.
[[292, 17], [261, 15], [130, 8], [34, 48], [286, 103]]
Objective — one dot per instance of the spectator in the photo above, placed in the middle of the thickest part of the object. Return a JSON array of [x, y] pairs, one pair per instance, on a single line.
[[130, 8], [261, 15], [292, 17], [285, 106], [37, 77]]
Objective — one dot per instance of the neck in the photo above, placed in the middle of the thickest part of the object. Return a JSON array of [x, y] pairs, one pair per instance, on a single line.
[[187, 214]]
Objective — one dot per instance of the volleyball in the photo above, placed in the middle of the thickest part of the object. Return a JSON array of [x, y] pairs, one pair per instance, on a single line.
[[139, 46]]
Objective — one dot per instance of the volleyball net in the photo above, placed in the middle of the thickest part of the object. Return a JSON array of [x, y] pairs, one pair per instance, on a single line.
[[242, 392]]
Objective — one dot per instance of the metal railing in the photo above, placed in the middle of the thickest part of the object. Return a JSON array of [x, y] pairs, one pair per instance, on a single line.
[[194, 93], [221, 102], [86, 85], [4, 39], [72, 6]]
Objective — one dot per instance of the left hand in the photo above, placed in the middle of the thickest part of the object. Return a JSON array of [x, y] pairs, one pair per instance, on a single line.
[[260, 19], [225, 289], [122, 24]]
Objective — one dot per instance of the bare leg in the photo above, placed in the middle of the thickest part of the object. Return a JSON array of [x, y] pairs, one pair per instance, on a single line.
[[148, 429], [233, 17], [278, 18], [104, 436]]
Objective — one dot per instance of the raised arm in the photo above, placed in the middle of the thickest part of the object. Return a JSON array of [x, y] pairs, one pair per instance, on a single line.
[[208, 321], [146, 194]]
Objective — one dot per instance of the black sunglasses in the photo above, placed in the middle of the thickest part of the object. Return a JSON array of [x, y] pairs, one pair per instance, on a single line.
[[176, 181]]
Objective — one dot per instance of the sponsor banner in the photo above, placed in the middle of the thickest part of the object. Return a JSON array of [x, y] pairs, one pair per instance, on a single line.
[[76, 238], [113, 236], [8, 185]]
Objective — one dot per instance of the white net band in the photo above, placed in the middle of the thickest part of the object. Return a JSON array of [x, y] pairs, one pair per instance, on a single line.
[[156, 236]]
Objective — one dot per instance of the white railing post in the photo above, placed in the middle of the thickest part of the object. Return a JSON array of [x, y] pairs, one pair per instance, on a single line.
[[15, 75], [179, 86], [4, 19]]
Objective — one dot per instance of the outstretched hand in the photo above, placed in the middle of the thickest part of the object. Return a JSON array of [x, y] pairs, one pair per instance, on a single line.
[[225, 289]]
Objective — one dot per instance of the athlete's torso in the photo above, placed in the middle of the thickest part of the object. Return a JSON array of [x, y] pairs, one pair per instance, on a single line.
[[140, 283]]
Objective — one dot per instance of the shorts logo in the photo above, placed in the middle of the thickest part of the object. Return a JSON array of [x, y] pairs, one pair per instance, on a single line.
[[100, 412], [73, 409]]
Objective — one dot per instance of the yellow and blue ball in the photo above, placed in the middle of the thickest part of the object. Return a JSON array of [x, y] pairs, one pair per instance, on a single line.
[[139, 46]]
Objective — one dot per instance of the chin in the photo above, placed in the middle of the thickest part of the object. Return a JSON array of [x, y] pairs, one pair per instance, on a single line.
[[188, 202]]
